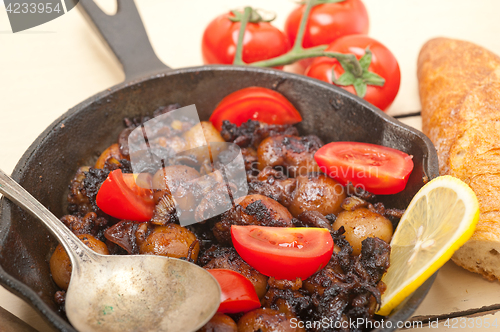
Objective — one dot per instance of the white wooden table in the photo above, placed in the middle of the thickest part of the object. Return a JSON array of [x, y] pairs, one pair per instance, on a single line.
[[48, 69]]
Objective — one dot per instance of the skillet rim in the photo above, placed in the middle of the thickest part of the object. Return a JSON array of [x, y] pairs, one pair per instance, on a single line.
[[429, 163]]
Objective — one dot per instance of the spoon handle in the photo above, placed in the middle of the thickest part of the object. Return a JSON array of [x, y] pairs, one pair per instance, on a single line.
[[75, 248]]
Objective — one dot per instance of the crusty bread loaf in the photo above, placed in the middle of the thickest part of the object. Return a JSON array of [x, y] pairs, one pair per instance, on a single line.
[[459, 85]]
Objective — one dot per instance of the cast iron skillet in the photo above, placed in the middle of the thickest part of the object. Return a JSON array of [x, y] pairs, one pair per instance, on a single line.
[[76, 138]]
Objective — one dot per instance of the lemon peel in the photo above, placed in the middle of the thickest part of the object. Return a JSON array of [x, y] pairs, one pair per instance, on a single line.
[[439, 220]]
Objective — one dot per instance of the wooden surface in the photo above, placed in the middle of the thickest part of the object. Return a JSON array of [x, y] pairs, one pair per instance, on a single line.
[[48, 69], [11, 323]]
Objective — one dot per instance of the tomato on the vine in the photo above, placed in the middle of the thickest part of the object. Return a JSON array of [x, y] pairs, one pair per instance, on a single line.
[[383, 63], [283, 252], [237, 292], [255, 103], [378, 169], [326, 23], [121, 197], [262, 41]]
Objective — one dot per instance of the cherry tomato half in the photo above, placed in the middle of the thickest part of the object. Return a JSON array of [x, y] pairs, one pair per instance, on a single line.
[[237, 292], [383, 63], [377, 169], [255, 103], [261, 41], [283, 252], [326, 23], [120, 197]]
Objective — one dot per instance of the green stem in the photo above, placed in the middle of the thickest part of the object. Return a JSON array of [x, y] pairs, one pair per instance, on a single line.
[[297, 52], [297, 46], [291, 57], [238, 56], [313, 52]]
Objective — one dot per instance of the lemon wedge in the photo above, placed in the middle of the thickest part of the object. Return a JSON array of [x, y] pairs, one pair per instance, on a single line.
[[440, 219]]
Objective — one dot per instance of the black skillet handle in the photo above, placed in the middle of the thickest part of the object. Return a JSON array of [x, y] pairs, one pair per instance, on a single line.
[[125, 34]]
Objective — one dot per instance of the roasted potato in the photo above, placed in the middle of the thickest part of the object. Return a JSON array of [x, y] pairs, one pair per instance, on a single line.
[[293, 155], [268, 320], [271, 208], [220, 323], [171, 240], [200, 135], [174, 181], [361, 224], [60, 264], [176, 143], [317, 192]]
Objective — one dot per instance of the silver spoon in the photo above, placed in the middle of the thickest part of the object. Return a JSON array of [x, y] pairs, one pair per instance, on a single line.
[[125, 293]]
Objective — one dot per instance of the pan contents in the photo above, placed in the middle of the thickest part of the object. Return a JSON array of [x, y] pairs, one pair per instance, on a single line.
[[299, 247]]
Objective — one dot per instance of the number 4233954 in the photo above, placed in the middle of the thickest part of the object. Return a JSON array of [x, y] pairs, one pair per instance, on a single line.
[[25, 8], [469, 323]]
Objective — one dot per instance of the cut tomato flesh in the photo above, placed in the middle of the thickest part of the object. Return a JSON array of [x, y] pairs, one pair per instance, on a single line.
[[378, 169], [120, 197], [255, 103], [281, 252], [237, 292]]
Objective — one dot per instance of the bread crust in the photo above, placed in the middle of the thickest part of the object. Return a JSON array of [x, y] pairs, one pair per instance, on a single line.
[[459, 86]]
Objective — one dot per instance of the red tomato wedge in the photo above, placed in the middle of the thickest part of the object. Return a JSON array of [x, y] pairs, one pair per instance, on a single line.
[[375, 168], [255, 103], [237, 292], [120, 197], [283, 252]]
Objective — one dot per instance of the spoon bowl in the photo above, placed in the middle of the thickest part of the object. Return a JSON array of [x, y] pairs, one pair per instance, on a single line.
[[125, 293]]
